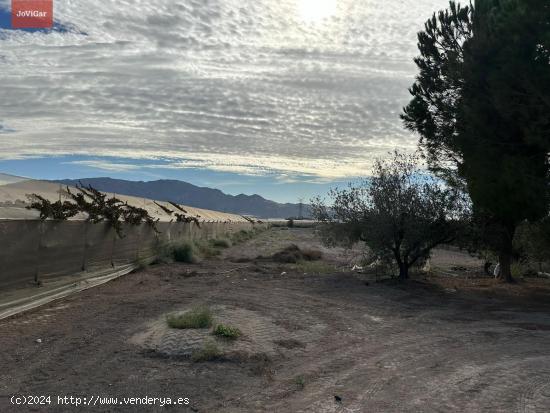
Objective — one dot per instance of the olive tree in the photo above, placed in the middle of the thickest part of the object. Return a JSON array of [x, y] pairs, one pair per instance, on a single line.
[[400, 213]]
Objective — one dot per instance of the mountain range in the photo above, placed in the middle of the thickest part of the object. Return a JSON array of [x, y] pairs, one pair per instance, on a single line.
[[187, 194]]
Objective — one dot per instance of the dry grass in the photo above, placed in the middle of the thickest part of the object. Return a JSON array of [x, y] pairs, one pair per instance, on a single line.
[[209, 351], [206, 249], [293, 254]]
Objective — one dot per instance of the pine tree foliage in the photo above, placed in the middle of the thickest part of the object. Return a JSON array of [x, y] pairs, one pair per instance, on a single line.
[[481, 105]]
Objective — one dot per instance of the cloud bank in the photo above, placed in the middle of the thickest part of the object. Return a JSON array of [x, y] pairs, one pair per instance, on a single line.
[[247, 86]]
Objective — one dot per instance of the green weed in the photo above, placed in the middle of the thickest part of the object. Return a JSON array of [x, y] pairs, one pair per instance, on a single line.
[[226, 331]]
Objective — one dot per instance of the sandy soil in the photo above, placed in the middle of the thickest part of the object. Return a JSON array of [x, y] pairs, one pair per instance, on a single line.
[[311, 332]]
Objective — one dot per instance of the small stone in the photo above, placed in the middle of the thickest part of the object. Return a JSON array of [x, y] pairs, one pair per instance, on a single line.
[[39, 340]]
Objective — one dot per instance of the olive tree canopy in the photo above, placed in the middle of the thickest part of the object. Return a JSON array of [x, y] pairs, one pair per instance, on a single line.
[[400, 213]]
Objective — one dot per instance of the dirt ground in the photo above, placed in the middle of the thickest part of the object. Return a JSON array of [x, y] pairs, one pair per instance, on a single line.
[[316, 338]]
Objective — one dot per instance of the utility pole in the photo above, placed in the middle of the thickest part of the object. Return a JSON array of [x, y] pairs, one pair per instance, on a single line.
[[301, 208]]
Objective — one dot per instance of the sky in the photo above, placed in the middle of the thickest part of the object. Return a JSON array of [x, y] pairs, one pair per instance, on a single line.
[[284, 98]]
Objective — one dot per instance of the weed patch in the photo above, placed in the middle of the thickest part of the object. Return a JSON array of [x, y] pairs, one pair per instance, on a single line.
[[163, 253], [209, 351], [313, 267], [241, 236], [293, 254], [220, 243], [206, 249], [300, 382], [228, 332], [199, 317], [244, 235]]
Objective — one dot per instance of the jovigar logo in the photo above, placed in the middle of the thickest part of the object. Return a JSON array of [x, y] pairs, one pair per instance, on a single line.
[[31, 14]]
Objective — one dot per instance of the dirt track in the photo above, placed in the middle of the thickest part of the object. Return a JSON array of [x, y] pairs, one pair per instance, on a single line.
[[379, 347]]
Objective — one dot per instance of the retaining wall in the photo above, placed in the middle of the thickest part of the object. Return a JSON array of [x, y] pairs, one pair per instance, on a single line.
[[32, 250]]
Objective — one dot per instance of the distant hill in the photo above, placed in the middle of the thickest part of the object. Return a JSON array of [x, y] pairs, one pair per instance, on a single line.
[[195, 196]]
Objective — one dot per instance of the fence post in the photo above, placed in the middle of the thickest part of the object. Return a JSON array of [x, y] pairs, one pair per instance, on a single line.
[[38, 255], [113, 247], [84, 256], [139, 229]]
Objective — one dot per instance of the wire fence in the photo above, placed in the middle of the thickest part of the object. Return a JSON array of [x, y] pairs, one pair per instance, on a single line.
[[33, 251]]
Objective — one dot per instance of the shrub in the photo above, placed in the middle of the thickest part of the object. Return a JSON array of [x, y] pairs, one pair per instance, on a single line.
[[312, 255], [198, 317], [399, 213], [206, 249], [163, 253], [209, 351], [293, 254], [227, 331], [184, 252]]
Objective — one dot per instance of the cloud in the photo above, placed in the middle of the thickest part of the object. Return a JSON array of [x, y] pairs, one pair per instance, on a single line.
[[105, 165], [231, 86], [284, 169]]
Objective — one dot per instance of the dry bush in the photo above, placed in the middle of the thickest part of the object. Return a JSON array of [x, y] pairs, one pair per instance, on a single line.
[[293, 254], [312, 255]]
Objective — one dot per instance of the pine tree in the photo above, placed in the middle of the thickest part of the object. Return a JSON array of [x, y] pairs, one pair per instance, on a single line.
[[482, 111]]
